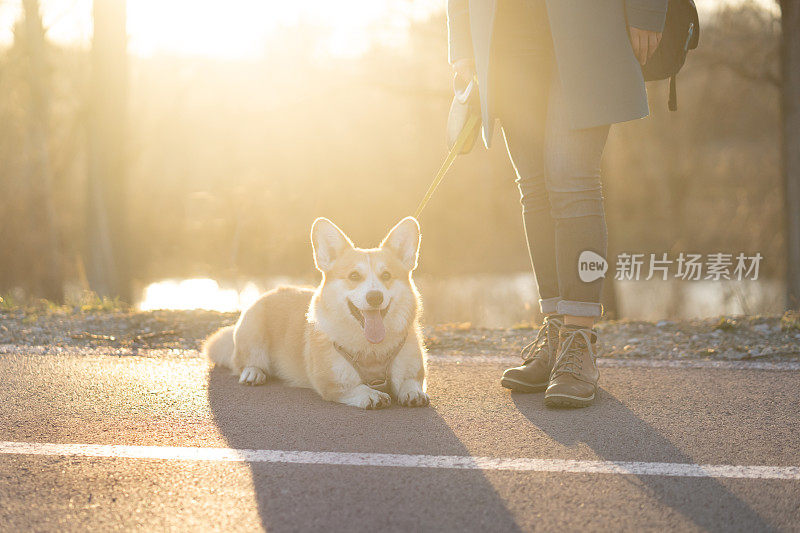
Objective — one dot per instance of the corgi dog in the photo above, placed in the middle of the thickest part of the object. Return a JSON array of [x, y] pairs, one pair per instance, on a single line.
[[355, 339]]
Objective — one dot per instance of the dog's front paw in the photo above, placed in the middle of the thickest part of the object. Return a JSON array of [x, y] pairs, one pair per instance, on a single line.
[[252, 376], [379, 400], [412, 395], [368, 398], [414, 399]]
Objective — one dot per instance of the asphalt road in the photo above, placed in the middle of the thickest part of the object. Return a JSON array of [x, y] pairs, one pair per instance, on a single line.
[[651, 416]]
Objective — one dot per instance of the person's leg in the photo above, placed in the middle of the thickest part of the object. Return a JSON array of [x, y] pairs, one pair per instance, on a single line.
[[572, 171], [523, 66], [524, 137]]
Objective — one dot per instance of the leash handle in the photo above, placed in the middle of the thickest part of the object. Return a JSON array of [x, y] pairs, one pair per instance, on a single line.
[[472, 122], [463, 92]]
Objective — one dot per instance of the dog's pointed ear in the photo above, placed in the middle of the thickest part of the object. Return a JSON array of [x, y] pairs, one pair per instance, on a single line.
[[403, 240], [329, 243]]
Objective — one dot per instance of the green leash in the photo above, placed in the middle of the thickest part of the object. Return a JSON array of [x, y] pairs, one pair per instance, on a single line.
[[472, 122]]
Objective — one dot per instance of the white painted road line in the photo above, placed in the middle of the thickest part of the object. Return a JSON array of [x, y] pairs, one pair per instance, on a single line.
[[605, 362], [401, 460]]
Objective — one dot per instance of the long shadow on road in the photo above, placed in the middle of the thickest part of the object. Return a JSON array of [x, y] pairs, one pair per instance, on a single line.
[[615, 433], [346, 498]]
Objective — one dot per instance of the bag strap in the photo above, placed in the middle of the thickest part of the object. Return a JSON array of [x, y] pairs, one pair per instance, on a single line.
[[673, 94]]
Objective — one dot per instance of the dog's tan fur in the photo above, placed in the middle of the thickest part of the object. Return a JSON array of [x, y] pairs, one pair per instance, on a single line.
[[289, 333]]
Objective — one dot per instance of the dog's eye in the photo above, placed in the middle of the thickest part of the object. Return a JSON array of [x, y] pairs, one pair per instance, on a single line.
[[354, 276], [386, 275]]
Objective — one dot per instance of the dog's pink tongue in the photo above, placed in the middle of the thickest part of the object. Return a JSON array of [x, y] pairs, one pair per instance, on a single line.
[[373, 326]]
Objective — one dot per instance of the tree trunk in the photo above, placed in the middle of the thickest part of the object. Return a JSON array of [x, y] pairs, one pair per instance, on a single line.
[[106, 224], [790, 113], [49, 280]]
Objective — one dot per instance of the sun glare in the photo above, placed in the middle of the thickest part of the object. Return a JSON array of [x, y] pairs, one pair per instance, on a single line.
[[199, 293], [235, 29]]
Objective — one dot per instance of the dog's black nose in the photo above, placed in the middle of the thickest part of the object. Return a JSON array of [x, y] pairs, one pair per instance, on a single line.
[[374, 298]]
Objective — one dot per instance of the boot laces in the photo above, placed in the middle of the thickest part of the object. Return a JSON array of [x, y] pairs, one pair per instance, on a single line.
[[569, 359], [541, 344]]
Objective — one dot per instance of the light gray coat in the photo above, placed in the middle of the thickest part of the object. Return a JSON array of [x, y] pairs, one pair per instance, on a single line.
[[600, 76]]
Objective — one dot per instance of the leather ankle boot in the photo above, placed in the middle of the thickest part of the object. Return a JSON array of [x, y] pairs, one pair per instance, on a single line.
[[534, 373], [573, 381]]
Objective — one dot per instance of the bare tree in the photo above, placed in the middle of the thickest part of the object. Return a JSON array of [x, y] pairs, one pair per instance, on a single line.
[[43, 218], [106, 225], [790, 113]]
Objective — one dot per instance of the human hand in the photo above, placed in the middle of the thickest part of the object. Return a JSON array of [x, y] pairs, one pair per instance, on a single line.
[[465, 69], [644, 43]]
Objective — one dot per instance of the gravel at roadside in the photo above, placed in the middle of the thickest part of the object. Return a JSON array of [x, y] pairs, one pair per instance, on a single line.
[[722, 338]]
